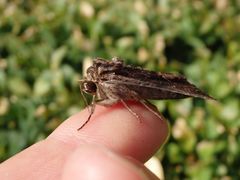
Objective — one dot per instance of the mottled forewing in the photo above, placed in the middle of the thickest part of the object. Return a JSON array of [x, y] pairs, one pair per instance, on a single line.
[[152, 85]]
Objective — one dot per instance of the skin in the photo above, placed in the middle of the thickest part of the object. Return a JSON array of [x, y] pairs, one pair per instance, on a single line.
[[114, 144]]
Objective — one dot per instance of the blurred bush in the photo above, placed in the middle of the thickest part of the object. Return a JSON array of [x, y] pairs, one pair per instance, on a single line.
[[43, 45]]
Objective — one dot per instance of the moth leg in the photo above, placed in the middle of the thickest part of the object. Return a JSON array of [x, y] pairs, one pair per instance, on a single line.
[[147, 105], [107, 102], [151, 108], [92, 108], [130, 110], [84, 99]]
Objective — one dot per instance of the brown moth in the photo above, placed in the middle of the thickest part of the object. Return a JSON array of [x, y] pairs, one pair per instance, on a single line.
[[111, 81]]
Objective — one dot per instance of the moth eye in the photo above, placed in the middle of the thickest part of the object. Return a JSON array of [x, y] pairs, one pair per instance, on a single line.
[[89, 87]]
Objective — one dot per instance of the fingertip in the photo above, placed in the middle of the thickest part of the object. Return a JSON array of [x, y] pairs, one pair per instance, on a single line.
[[118, 129]]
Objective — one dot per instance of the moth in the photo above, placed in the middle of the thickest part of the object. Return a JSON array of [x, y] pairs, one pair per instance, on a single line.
[[112, 81]]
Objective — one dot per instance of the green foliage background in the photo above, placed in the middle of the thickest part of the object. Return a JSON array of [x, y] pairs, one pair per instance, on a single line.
[[44, 44]]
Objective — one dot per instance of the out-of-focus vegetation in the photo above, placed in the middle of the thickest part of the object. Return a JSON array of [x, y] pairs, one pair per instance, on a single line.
[[43, 45]]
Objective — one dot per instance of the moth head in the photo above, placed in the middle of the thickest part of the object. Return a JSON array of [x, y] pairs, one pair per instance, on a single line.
[[89, 87]]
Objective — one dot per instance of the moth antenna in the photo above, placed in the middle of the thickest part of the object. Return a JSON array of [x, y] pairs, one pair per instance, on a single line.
[[150, 107], [130, 110], [91, 113]]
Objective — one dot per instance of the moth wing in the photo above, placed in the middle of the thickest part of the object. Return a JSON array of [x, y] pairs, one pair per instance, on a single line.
[[170, 87]]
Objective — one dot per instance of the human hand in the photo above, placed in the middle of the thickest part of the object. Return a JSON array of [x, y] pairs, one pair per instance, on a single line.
[[113, 145]]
